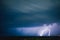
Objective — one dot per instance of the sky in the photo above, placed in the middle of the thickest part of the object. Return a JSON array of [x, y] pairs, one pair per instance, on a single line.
[[29, 13]]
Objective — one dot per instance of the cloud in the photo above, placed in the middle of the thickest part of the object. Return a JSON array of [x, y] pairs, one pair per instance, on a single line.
[[34, 11], [51, 29], [29, 6]]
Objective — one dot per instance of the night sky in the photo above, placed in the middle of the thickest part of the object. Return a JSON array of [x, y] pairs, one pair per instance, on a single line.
[[28, 13]]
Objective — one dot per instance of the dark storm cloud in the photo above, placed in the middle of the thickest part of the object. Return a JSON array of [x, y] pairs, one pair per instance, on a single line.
[[30, 11], [28, 6]]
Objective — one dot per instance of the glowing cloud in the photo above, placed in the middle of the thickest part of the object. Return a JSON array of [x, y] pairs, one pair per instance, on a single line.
[[39, 31]]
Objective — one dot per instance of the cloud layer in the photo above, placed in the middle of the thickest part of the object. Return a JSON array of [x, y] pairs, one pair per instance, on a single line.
[[29, 6]]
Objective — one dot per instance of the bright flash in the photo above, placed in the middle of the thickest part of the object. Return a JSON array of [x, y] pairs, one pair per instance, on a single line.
[[46, 29]]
